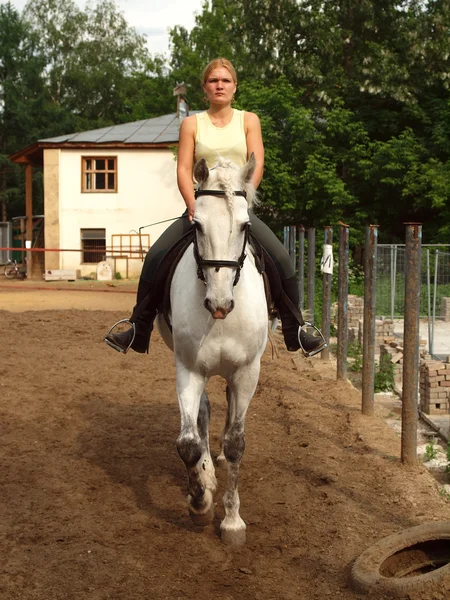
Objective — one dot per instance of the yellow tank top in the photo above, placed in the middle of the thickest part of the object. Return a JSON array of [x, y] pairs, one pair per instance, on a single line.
[[229, 141]]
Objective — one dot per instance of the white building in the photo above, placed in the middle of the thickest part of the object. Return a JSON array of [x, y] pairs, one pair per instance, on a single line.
[[101, 189]]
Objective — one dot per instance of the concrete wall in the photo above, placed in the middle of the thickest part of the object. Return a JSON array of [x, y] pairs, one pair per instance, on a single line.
[[147, 192]]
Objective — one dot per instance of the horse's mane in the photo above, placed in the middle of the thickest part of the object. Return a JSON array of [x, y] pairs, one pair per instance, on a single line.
[[225, 169]]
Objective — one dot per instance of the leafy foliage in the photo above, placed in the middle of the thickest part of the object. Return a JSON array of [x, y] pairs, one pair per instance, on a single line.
[[384, 374], [354, 353], [431, 451]]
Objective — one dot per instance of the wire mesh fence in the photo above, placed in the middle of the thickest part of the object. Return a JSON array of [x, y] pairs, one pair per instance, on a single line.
[[441, 280], [435, 280], [391, 280]]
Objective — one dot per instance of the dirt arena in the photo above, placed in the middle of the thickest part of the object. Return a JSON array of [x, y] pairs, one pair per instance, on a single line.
[[93, 491]]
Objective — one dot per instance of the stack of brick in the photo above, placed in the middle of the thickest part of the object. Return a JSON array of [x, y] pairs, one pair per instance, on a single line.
[[445, 309], [384, 330], [355, 315], [434, 387]]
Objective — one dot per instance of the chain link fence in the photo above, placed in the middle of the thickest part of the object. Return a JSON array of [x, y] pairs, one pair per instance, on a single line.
[[434, 288], [435, 280]]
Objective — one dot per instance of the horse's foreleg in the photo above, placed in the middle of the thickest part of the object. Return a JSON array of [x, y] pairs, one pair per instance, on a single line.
[[241, 389], [221, 460], [193, 446], [206, 464]]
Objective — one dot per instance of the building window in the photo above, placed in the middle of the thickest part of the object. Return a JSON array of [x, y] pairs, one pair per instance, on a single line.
[[93, 245], [99, 174]]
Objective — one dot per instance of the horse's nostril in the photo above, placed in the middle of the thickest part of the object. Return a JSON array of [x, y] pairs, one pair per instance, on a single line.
[[216, 310]]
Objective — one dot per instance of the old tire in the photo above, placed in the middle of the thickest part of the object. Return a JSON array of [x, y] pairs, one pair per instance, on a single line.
[[369, 572]]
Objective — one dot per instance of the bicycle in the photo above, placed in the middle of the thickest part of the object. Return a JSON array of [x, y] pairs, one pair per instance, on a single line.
[[13, 270]]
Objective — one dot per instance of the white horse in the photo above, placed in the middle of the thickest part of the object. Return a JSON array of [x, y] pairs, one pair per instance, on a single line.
[[220, 327]]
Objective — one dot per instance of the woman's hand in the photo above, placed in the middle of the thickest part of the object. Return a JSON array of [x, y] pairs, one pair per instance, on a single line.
[[191, 212]]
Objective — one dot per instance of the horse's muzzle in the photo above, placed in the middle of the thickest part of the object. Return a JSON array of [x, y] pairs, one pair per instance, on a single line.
[[218, 312]]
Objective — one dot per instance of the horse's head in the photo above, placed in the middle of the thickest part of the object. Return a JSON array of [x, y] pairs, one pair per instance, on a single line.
[[221, 220]]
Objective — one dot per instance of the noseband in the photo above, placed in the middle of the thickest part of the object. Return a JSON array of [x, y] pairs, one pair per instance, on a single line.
[[231, 264]]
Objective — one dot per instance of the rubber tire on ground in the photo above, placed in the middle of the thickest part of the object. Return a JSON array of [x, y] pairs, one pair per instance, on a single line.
[[10, 272], [366, 576]]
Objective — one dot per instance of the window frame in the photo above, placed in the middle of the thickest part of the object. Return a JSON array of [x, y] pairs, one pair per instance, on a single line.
[[106, 171], [96, 251]]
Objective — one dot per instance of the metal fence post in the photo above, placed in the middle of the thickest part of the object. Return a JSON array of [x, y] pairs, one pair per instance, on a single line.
[[342, 346], [326, 290], [393, 272], [430, 337], [311, 273], [370, 272], [292, 244], [301, 266], [411, 343], [436, 269]]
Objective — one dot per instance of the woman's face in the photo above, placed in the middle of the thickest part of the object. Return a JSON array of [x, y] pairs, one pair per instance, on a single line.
[[219, 87]]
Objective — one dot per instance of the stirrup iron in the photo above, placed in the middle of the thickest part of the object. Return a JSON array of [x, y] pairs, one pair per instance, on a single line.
[[111, 342], [319, 348]]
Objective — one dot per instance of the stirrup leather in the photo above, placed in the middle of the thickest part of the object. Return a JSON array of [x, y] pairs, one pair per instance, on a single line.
[[319, 348], [111, 343]]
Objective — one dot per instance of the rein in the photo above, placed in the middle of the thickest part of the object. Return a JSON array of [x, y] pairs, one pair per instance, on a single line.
[[231, 264]]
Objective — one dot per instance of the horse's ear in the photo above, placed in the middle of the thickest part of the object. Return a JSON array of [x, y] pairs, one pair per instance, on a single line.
[[249, 168], [201, 171]]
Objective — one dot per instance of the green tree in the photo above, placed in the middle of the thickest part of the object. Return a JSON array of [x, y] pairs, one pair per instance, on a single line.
[[90, 56], [149, 92], [21, 89]]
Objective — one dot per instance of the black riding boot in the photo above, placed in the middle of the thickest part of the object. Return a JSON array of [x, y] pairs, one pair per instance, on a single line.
[[142, 317], [311, 344]]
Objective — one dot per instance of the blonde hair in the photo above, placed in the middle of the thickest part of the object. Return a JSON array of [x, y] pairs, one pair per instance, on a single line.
[[215, 64]]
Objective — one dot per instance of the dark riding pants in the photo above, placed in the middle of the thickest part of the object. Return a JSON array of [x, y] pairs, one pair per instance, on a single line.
[[173, 233]]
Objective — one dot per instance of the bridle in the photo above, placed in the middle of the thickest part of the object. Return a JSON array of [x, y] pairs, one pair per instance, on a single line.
[[231, 264]]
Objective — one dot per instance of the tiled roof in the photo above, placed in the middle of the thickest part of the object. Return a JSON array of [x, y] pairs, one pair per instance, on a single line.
[[159, 130]]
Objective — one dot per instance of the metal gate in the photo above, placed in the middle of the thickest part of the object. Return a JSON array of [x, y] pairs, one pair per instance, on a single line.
[[5, 242]]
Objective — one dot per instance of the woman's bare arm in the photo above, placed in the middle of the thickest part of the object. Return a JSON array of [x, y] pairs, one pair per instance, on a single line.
[[255, 144], [185, 162]]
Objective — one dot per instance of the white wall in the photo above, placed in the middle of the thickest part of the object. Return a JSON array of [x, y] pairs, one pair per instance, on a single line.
[[147, 192]]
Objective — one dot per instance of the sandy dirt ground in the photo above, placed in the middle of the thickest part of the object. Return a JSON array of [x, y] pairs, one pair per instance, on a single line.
[[93, 491]]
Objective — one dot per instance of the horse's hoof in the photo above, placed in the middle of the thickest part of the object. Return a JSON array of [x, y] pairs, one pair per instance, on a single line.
[[202, 516], [233, 537], [202, 519]]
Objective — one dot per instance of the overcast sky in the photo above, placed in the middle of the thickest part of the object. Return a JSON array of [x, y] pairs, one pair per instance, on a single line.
[[150, 17]]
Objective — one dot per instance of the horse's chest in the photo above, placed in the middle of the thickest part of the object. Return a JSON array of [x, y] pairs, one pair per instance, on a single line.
[[219, 355]]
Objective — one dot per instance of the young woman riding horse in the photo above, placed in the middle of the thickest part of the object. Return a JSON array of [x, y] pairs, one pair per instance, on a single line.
[[235, 135]]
